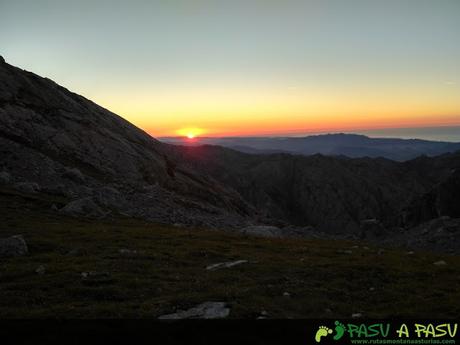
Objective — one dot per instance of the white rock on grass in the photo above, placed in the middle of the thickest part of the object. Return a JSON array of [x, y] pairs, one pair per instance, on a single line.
[[225, 265], [207, 310]]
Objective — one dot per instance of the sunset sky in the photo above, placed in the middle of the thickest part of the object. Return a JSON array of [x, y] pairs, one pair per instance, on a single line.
[[247, 67]]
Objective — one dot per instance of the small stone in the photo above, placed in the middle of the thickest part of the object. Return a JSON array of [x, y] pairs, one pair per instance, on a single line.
[[74, 252], [93, 277], [286, 294], [356, 315], [341, 251], [264, 313], [440, 263], [125, 251], [372, 289], [410, 253]]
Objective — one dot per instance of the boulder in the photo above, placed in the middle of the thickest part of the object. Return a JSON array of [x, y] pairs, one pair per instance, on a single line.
[[73, 174], [371, 229], [207, 310], [83, 207], [13, 246], [109, 197], [27, 187]]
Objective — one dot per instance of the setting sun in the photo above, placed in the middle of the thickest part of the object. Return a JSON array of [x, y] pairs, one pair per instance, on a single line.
[[190, 132]]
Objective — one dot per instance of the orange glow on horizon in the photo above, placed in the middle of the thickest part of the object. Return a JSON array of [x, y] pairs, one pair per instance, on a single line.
[[263, 109]]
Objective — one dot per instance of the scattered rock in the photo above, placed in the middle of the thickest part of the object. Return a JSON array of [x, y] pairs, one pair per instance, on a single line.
[[286, 294], [40, 270], [5, 178], [440, 263], [54, 207], [207, 310], [83, 207], [263, 313], [356, 315], [225, 265], [410, 253], [372, 289], [13, 246]]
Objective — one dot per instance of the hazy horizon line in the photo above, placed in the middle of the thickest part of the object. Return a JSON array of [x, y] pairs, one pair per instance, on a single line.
[[386, 132]]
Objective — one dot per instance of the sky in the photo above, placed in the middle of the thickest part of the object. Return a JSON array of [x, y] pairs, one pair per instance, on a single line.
[[258, 67]]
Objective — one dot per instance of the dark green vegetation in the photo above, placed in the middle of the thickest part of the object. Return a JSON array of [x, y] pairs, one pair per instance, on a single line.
[[168, 272]]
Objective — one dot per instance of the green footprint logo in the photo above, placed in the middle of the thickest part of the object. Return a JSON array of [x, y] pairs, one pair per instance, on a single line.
[[339, 330], [322, 331]]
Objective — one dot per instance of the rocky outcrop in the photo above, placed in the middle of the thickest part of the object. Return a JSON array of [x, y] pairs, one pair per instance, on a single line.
[[13, 246], [56, 142]]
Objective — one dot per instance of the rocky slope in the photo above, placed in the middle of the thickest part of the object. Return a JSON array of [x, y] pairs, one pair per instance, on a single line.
[[56, 142]]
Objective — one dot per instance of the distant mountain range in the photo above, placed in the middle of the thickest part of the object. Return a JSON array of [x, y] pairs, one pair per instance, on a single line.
[[350, 145]]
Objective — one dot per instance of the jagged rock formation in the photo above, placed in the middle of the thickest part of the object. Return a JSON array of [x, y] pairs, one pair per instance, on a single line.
[[332, 194]]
